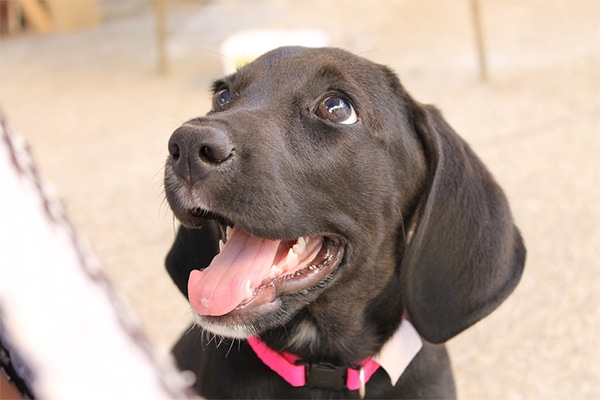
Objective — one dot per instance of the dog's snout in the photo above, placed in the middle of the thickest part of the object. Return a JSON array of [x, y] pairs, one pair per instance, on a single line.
[[196, 150]]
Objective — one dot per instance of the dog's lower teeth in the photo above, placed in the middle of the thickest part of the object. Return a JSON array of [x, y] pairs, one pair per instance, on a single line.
[[249, 291], [275, 271]]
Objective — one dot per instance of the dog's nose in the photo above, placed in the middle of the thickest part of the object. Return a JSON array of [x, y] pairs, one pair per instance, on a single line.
[[196, 150]]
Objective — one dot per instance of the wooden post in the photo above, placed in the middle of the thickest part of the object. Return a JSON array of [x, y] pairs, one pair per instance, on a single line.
[[161, 36], [36, 15], [73, 14], [479, 40]]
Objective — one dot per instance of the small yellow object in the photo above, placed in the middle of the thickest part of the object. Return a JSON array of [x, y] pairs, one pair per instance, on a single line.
[[242, 60]]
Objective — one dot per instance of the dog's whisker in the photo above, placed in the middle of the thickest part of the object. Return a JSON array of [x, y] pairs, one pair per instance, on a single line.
[[371, 51], [190, 329], [402, 228], [175, 224], [204, 339], [232, 342], [208, 336], [180, 120], [222, 339], [159, 174], [164, 208]]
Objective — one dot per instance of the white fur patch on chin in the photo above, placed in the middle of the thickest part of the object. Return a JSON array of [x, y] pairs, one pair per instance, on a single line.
[[305, 334], [228, 331]]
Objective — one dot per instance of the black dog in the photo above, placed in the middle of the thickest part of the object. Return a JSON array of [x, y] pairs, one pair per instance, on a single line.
[[351, 213]]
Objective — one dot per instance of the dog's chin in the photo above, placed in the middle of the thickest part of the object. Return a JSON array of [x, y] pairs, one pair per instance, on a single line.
[[241, 326], [234, 329]]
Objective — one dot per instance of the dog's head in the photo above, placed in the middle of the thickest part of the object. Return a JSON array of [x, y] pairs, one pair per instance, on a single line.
[[342, 202]]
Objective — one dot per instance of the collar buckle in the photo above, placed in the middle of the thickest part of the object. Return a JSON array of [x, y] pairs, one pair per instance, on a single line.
[[326, 376]]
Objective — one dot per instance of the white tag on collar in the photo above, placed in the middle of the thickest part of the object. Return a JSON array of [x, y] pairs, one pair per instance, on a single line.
[[398, 352]]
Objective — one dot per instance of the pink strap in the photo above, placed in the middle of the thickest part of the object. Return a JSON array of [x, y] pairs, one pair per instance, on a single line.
[[369, 367], [285, 365]]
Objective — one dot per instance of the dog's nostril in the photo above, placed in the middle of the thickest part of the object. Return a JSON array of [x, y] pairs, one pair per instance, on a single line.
[[215, 155], [205, 152], [200, 146], [174, 150], [197, 212]]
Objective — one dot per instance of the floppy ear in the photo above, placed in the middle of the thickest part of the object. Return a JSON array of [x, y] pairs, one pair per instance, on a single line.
[[465, 256], [192, 249]]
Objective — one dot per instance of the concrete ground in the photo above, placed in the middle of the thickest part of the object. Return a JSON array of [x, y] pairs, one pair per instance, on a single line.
[[98, 116]]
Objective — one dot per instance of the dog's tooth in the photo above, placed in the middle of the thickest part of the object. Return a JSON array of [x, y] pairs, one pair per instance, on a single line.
[[221, 244], [248, 289], [275, 271], [300, 246], [228, 232], [291, 256]]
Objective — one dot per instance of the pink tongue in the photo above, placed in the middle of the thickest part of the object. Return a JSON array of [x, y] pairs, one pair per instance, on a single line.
[[241, 266]]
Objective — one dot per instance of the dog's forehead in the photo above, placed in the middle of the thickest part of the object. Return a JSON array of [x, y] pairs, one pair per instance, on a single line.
[[300, 67], [312, 58]]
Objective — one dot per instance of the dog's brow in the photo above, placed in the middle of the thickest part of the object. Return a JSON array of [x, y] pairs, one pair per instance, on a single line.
[[218, 85], [330, 71]]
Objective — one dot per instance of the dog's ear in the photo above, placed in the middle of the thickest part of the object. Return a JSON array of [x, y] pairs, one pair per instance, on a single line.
[[465, 256], [192, 249]]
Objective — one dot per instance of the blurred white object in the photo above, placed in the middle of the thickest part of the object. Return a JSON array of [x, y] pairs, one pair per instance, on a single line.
[[64, 332], [245, 46]]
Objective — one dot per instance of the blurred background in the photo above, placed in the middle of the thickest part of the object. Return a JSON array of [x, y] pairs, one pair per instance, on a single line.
[[97, 86]]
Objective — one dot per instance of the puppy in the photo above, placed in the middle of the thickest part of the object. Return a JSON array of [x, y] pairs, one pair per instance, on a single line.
[[340, 230]]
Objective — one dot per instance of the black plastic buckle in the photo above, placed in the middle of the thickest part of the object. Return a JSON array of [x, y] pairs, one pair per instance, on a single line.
[[326, 376]]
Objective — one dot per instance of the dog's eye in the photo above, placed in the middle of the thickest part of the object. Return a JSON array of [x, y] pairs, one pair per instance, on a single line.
[[337, 109], [222, 98]]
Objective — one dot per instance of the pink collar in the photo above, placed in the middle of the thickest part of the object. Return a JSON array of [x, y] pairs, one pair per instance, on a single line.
[[394, 357]]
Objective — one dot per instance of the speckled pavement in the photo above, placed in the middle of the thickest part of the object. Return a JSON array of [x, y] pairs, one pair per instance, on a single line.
[[98, 116]]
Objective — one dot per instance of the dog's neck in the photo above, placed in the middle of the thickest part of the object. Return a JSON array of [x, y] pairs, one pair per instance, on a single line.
[[395, 355]]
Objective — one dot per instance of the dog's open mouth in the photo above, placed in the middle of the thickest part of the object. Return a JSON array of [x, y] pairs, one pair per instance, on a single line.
[[250, 273]]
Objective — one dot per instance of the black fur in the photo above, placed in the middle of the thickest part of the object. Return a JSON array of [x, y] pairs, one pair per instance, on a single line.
[[426, 229]]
